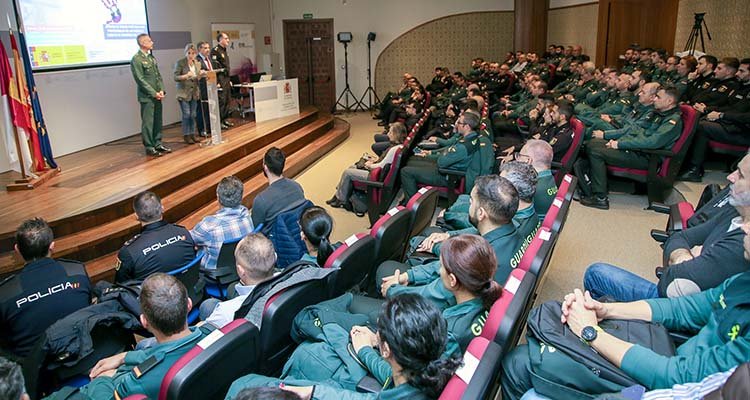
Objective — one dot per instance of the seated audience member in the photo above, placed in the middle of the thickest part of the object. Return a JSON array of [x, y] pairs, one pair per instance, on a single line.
[[316, 226], [726, 124], [700, 257], [720, 89], [165, 306], [701, 78], [12, 385], [160, 247], [559, 134], [44, 291], [539, 153], [665, 128], [413, 336], [281, 194], [494, 202], [718, 315], [396, 136], [457, 156], [231, 222], [255, 259], [638, 117]]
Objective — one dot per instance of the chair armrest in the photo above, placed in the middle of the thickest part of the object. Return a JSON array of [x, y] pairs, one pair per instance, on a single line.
[[659, 235], [679, 337], [556, 164], [368, 384], [449, 171], [369, 183], [661, 208]]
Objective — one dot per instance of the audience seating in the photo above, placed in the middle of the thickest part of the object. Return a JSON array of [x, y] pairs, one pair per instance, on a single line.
[[734, 150], [381, 186], [567, 187], [507, 317], [355, 261], [538, 254], [565, 165], [422, 206], [391, 234], [190, 276], [209, 368], [476, 378], [660, 175], [219, 279]]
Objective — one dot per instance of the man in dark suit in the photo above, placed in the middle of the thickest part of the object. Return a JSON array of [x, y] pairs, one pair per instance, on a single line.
[[220, 60], [204, 57]]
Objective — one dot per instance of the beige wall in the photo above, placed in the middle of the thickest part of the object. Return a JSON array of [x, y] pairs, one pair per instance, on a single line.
[[450, 42], [574, 25], [728, 22]]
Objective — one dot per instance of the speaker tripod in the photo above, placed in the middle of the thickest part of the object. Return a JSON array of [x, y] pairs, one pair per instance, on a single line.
[[696, 33], [369, 92], [347, 90]]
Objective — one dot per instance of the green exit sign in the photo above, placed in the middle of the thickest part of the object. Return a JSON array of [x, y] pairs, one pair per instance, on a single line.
[[307, 16]]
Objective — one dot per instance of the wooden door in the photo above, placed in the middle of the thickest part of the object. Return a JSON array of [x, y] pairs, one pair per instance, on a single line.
[[309, 57]]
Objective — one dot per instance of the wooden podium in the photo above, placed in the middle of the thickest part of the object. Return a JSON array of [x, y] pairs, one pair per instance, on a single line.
[[214, 114]]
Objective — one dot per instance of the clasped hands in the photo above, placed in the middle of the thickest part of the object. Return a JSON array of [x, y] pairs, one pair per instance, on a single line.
[[579, 310]]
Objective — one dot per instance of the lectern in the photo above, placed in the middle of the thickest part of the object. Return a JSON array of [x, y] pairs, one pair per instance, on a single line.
[[213, 116]]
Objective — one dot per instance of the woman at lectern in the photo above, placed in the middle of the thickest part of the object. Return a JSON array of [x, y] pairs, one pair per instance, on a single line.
[[186, 74]]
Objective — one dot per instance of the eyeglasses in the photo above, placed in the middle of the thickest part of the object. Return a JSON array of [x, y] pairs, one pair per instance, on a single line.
[[521, 157], [461, 123]]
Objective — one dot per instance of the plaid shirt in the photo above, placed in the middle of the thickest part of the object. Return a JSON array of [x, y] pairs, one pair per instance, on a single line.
[[213, 230]]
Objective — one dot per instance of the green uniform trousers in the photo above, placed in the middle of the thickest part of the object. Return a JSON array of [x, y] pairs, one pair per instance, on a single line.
[[425, 173], [600, 157], [151, 123]]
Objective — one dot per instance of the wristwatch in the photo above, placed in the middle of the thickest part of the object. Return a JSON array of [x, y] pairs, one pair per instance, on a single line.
[[590, 333]]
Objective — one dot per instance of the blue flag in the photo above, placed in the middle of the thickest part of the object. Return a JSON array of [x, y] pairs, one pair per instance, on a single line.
[[41, 127]]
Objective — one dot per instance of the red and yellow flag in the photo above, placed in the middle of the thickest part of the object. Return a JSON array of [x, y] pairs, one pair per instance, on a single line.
[[20, 106]]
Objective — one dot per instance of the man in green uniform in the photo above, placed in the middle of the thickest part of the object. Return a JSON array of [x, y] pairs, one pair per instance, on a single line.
[[164, 305], [610, 126], [664, 129], [458, 157], [494, 202], [150, 94]]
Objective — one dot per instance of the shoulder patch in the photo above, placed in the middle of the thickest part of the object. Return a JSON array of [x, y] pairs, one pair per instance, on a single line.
[[673, 121], [118, 264], [129, 242]]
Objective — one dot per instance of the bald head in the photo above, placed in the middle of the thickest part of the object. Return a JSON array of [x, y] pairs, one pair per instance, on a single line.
[[255, 257], [540, 153]]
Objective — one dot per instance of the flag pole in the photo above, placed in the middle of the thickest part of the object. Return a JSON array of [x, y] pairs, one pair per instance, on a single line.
[[15, 128]]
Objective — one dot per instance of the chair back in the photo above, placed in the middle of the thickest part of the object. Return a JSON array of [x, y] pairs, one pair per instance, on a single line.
[[208, 369], [476, 378], [671, 165], [190, 276], [391, 234], [354, 259], [507, 317], [422, 206]]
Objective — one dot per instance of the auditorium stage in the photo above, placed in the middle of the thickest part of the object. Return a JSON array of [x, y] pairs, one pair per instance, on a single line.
[[89, 206]]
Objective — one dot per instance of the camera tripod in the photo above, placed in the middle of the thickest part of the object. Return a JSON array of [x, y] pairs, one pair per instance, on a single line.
[[696, 33], [369, 92]]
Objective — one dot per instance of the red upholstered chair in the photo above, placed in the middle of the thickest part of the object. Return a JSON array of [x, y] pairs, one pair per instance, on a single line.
[[381, 186], [565, 165], [209, 368], [427, 100], [726, 148], [567, 187], [664, 165], [537, 256], [136, 397], [476, 378], [391, 234], [507, 316], [422, 206], [354, 259]]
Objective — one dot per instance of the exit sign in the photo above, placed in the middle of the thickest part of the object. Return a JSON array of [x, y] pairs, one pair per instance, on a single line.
[[307, 16]]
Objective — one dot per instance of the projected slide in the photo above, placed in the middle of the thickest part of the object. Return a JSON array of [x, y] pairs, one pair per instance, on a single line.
[[75, 33]]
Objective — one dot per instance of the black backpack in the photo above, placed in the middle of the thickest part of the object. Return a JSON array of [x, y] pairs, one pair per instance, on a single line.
[[553, 348]]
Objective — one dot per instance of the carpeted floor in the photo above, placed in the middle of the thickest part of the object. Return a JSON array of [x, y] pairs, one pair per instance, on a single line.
[[619, 236]]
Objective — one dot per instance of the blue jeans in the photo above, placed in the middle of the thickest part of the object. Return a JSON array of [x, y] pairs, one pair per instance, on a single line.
[[604, 279], [189, 109]]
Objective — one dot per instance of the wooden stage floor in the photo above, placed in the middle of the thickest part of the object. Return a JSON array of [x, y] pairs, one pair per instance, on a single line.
[[96, 186]]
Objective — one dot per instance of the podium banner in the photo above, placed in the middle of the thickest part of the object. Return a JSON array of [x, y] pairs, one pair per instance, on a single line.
[[275, 99]]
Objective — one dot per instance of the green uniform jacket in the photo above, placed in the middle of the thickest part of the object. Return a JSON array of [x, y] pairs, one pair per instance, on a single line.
[[527, 223], [638, 118], [465, 322], [702, 355], [147, 76], [505, 241], [124, 380], [546, 190], [580, 92], [664, 130], [458, 155], [616, 104]]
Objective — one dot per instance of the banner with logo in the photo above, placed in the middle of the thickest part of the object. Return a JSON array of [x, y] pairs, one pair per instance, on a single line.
[[276, 99]]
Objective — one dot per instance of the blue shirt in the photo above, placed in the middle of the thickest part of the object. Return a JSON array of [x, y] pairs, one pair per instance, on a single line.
[[213, 230]]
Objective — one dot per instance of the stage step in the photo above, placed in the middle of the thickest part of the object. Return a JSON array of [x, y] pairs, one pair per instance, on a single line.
[[72, 211], [102, 268], [108, 237]]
